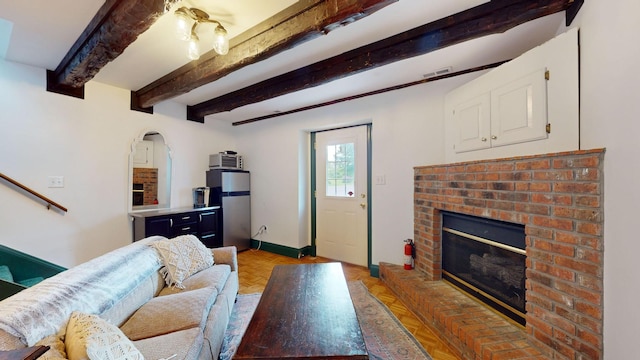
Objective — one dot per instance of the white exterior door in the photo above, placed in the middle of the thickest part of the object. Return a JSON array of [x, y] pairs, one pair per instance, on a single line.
[[341, 195]]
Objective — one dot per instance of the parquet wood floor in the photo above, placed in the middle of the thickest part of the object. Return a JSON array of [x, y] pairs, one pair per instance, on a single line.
[[255, 267]]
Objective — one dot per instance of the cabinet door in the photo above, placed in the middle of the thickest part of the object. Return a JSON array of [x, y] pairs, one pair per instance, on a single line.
[[208, 221], [160, 225], [519, 110], [143, 156], [185, 224], [208, 229], [472, 121]]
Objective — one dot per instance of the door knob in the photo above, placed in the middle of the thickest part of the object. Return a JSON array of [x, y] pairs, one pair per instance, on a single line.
[[363, 205]]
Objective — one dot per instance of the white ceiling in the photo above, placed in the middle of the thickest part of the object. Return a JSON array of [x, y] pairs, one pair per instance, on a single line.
[[40, 32]]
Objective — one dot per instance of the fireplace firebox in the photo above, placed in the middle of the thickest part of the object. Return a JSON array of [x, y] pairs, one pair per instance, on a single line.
[[486, 258]]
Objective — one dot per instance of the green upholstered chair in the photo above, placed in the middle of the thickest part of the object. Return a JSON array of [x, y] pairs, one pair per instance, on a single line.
[[19, 271]]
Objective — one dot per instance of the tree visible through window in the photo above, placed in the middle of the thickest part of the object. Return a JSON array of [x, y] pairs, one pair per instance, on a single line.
[[341, 170]]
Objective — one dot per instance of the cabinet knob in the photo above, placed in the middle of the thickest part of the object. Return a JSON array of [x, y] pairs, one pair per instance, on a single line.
[[484, 139], [493, 137]]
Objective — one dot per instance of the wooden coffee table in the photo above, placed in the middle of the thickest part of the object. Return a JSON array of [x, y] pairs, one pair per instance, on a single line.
[[305, 312]]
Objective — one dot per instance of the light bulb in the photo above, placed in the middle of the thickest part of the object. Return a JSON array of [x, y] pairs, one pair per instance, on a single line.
[[183, 25], [220, 41], [194, 48]]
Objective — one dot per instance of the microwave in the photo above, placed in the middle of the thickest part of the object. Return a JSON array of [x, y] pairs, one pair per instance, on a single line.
[[225, 161]]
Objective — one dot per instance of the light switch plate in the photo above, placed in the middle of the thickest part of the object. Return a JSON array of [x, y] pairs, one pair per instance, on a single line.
[[56, 181]]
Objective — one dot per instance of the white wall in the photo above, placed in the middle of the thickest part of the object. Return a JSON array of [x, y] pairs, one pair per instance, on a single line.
[[610, 113], [407, 131], [88, 142]]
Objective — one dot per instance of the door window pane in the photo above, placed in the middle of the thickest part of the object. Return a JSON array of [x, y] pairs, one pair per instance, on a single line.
[[341, 170]]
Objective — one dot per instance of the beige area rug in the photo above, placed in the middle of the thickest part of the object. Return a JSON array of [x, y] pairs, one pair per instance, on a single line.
[[385, 336]]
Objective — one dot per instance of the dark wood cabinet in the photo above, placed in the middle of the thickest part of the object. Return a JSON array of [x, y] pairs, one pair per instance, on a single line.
[[201, 222], [208, 228], [184, 224], [160, 225]]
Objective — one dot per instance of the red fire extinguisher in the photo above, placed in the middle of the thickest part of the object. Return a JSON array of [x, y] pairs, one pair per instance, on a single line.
[[409, 254]]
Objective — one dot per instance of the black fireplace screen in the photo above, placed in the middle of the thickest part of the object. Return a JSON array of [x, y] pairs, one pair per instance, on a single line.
[[486, 258]]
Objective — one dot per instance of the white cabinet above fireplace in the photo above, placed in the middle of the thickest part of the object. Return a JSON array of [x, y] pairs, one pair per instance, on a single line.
[[513, 113], [472, 123], [143, 157], [526, 106]]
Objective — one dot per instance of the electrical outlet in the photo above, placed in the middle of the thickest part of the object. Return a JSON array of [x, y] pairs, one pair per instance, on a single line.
[[55, 181], [262, 229]]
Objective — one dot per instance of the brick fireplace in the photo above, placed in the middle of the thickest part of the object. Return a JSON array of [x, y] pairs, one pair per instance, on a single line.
[[559, 200], [148, 179]]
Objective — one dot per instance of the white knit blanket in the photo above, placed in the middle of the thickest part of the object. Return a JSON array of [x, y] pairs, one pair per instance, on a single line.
[[92, 288]]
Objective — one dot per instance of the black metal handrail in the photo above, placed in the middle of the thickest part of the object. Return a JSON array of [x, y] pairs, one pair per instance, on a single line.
[[39, 196]]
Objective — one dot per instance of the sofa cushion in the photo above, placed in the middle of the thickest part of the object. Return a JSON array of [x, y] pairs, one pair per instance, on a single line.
[[185, 344], [9, 341], [214, 332], [165, 314], [182, 257], [90, 337], [138, 296], [215, 276]]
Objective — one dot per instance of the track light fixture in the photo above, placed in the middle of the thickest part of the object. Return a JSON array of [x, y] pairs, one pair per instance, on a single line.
[[187, 20]]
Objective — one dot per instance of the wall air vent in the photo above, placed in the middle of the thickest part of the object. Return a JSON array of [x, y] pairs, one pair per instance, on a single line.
[[438, 72]]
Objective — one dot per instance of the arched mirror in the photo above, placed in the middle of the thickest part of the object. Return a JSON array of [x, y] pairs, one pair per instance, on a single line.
[[149, 173]]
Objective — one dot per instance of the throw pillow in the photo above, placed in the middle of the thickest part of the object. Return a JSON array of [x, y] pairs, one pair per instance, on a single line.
[[182, 257], [56, 348], [91, 337]]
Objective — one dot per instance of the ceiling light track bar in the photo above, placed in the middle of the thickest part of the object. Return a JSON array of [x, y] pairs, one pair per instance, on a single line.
[[187, 22]]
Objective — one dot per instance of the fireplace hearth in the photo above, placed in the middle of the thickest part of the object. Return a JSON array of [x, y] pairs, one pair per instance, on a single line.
[[486, 259]]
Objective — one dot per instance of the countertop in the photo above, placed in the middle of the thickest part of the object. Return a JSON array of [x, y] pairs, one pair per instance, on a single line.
[[170, 211]]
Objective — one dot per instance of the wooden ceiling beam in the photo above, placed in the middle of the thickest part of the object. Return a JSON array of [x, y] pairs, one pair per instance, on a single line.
[[496, 16], [115, 26], [370, 93], [304, 20]]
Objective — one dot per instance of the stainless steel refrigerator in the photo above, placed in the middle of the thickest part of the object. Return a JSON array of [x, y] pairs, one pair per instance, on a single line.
[[230, 189]]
